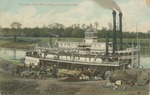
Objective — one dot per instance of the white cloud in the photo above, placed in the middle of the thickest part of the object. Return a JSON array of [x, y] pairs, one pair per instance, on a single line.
[[133, 12], [105, 19], [29, 17], [23, 16]]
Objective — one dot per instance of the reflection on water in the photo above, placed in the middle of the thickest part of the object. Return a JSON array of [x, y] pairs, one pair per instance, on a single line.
[[12, 54], [145, 57], [16, 54], [145, 62]]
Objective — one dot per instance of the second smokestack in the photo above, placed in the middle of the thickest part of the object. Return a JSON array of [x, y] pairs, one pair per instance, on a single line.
[[114, 32], [120, 28]]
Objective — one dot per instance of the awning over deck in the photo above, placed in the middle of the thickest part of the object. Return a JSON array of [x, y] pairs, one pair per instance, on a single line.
[[84, 63]]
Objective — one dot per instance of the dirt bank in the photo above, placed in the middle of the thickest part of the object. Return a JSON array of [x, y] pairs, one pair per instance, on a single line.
[[48, 87], [10, 85]]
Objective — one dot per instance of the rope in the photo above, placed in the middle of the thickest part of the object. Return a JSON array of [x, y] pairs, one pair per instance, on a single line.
[[127, 44]]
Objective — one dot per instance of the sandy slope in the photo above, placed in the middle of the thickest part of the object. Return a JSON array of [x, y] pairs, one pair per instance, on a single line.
[[10, 85]]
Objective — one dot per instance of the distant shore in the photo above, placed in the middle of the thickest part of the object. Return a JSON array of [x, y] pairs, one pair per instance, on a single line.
[[11, 44], [30, 42]]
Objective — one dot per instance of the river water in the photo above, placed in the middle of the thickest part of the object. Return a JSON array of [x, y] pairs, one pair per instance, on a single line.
[[12, 54], [17, 54]]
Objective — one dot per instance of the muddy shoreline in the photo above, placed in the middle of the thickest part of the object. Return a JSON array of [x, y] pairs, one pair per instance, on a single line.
[[12, 85]]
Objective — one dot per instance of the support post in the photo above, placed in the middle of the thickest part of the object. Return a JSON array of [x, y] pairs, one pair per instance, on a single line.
[[107, 43]]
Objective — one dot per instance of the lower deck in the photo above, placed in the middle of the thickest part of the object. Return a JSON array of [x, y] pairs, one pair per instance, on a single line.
[[70, 65], [76, 65]]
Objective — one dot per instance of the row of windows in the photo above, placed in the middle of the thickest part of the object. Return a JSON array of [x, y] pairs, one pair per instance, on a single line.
[[94, 46], [67, 44], [81, 58], [89, 35]]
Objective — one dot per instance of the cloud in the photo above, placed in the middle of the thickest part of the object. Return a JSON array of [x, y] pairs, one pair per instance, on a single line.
[[76, 15], [24, 16], [29, 17], [134, 11], [102, 20]]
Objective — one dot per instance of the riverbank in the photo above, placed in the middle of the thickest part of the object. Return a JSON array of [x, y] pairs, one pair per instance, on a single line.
[[11, 44], [30, 42], [12, 85], [21, 43]]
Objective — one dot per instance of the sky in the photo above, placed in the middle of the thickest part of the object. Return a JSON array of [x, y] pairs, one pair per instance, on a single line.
[[37, 13]]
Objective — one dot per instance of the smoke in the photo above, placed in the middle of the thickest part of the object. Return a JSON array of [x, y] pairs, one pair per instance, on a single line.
[[108, 4], [148, 2]]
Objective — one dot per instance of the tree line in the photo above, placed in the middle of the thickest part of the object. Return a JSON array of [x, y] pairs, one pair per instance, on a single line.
[[75, 31]]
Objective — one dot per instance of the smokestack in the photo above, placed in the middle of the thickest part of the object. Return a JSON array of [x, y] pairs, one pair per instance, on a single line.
[[120, 28], [114, 32], [107, 42]]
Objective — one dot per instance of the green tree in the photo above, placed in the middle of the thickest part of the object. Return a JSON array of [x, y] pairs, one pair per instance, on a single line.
[[148, 34], [15, 26], [56, 28]]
